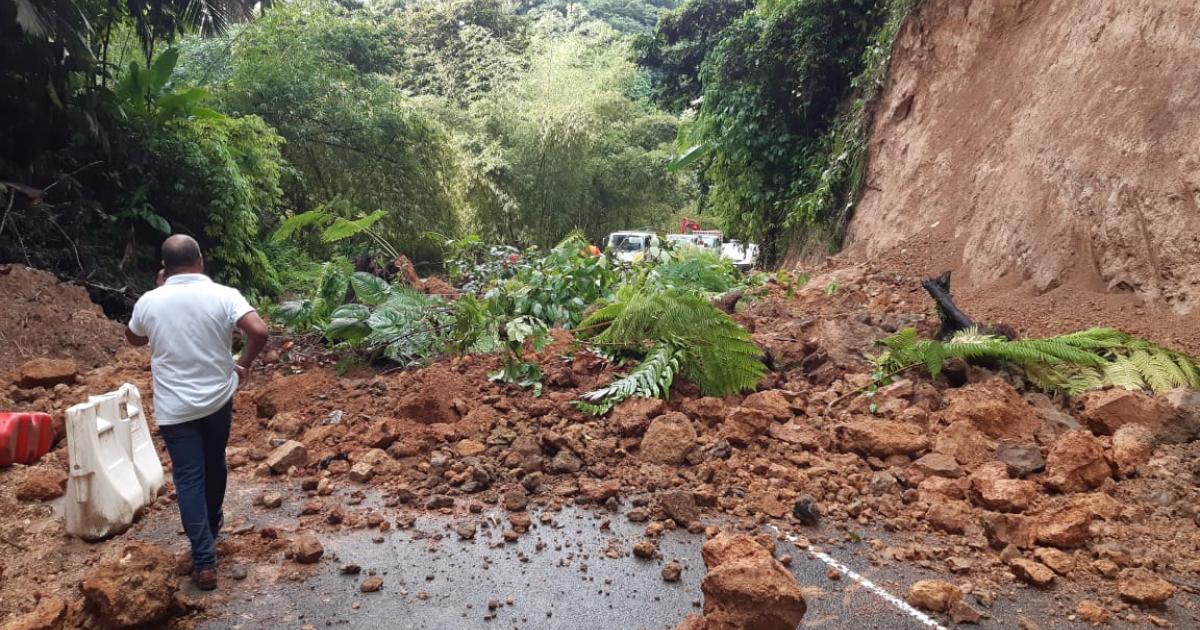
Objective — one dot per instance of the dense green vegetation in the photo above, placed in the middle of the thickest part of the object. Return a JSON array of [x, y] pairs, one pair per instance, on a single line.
[[777, 99], [439, 118]]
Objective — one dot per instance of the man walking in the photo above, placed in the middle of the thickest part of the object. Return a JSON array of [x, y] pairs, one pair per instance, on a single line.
[[188, 322]]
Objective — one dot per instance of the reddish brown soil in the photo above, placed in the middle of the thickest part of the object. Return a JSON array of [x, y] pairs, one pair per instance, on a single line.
[[1036, 149]]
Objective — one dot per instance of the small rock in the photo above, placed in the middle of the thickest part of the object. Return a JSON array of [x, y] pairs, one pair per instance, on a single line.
[[1060, 562], [1139, 586], [361, 472], [371, 584], [438, 502], [469, 448], [939, 465], [1076, 463], [465, 530], [565, 462], [881, 438], [1032, 572], [806, 511], [1021, 459], [1132, 446], [1092, 612], [680, 506], [933, 595], [290, 453], [671, 571], [271, 500], [515, 501], [351, 569], [306, 549], [645, 549], [962, 613]]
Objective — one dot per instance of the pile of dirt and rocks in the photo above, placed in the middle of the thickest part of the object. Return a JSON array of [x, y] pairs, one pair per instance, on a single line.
[[44, 318], [972, 473]]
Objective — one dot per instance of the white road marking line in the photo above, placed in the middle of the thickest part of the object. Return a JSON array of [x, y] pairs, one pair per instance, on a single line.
[[869, 585]]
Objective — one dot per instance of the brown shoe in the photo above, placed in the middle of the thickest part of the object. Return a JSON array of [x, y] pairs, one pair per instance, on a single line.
[[205, 579]]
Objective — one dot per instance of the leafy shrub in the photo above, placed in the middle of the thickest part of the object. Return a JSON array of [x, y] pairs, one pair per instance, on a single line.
[[696, 269]]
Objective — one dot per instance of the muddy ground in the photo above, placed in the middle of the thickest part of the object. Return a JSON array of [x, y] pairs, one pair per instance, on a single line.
[[971, 497]]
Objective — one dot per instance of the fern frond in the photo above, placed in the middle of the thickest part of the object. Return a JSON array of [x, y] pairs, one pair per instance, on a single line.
[[1123, 372], [651, 378], [713, 351], [1071, 363]]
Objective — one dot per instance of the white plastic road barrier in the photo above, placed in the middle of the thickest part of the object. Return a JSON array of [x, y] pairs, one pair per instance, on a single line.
[[115, 470]]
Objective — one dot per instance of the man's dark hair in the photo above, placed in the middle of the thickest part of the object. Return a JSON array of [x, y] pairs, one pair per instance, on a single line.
[[179, 251]]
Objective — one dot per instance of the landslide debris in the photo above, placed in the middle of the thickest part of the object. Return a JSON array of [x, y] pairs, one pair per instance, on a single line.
[[966, 473]]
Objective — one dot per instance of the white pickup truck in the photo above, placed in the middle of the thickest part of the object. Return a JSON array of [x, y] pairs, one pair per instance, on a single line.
[[633, 246], [743, 256]]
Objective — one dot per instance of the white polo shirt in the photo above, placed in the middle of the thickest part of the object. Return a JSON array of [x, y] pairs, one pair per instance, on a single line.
[[190, 321]]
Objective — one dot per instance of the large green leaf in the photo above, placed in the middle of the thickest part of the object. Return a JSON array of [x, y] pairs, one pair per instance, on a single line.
[[348, 322], [294, 314], [297, 221], [691, 155], [345, 228], [161, 70], [370, 288]]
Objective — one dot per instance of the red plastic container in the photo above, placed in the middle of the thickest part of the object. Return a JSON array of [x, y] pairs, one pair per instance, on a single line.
[[24, 437]]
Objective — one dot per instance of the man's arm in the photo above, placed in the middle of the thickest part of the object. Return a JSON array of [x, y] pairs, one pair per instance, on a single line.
[[135, 339], [255, 330]]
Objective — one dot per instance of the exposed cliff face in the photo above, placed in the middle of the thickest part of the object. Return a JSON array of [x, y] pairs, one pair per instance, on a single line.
[[1045, 143]]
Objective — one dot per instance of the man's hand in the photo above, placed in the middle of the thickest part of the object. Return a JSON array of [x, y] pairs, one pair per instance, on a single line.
[[242, 373]]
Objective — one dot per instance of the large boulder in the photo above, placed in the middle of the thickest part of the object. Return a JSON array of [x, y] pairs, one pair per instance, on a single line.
[[993, 407], [134, 588], [1076, 463], [743, 424], [965, 443], [668, 439], [1132, 446], [46, 373], [633, 416], [881, 438], [1105, 411], [747, 588]]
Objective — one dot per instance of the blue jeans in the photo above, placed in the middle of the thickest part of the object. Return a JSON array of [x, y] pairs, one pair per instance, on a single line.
[[197, 450]]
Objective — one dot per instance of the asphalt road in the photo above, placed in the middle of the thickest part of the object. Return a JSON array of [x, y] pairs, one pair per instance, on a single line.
[[559, 576]]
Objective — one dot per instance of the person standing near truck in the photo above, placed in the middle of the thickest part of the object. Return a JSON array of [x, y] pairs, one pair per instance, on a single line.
[[189, 322]]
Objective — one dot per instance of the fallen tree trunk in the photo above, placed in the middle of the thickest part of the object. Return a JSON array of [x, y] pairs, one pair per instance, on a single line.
[[952, 318]]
